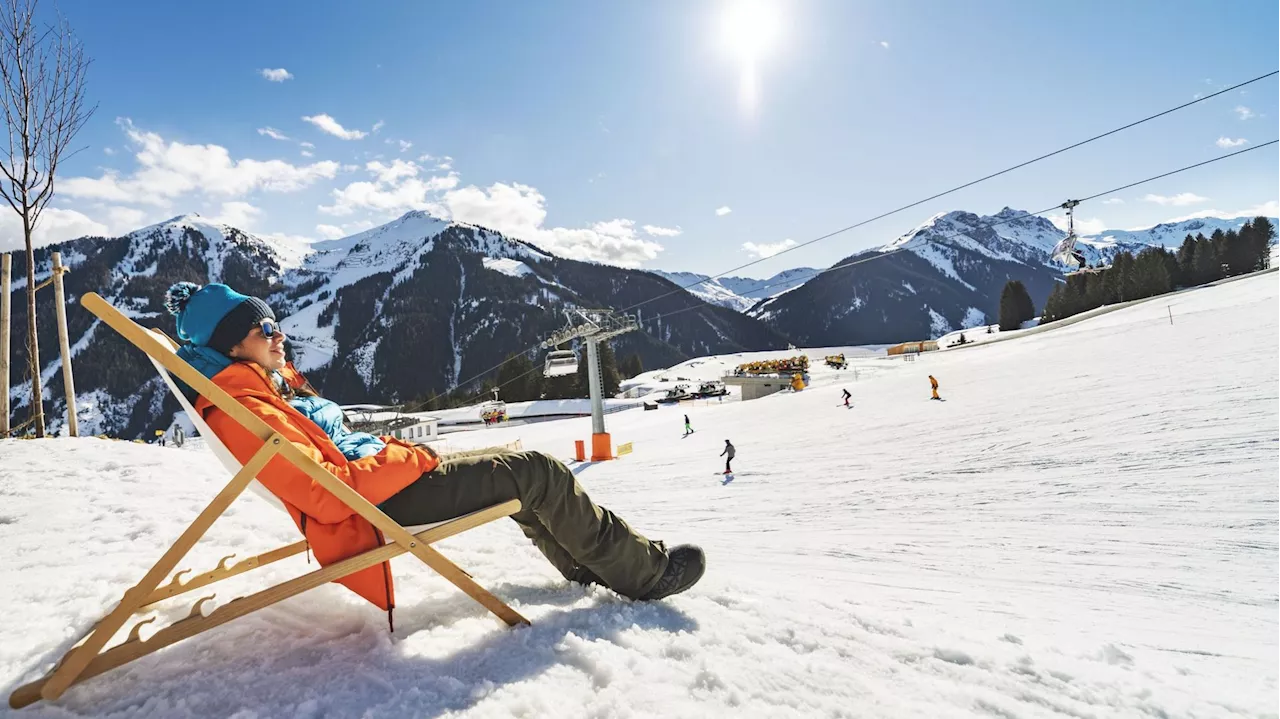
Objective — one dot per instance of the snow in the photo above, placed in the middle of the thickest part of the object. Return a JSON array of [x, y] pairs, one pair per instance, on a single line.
[[1171, 234], [739, 293], [506, 266], [974, 317], [940, 258], [1024, 549], [938, 325]]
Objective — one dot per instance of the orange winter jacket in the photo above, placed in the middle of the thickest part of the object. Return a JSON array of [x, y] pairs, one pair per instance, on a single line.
[[333, 529]]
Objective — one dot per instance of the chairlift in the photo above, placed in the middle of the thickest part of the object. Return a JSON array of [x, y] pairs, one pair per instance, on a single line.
[[1065, 251], [495, 410], [560, 363]]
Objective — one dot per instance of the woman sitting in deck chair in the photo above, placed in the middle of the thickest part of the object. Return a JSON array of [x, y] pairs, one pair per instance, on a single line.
[[234, 340]]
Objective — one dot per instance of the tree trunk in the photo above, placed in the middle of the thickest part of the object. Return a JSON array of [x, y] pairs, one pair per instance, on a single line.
[[33, 345]]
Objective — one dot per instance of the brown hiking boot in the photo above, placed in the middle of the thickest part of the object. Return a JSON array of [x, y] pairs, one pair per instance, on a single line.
[[684, 568]]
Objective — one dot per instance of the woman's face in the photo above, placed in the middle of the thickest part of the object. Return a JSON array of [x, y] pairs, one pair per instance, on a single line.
[[257, 346]]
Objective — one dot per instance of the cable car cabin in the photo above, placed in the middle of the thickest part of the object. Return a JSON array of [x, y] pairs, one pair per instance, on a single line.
[[560, 363]]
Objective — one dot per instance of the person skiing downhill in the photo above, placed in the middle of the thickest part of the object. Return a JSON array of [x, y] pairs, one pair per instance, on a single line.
[[235, 341], [688, 428], [730, 452], [933, 382], [847, 397]]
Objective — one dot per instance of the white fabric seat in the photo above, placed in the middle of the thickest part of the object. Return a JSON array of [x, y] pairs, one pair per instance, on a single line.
[[220, 450]]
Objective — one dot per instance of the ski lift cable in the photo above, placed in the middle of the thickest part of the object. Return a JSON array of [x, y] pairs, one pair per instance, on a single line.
[[893, 212], [1024, 215], [961, 187], [905, 246]]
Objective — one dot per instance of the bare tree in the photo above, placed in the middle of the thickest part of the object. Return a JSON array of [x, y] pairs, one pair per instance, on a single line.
[[42, 70]]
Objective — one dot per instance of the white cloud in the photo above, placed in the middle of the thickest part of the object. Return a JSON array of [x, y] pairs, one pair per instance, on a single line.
[[655, 231], [123, 220], [519, 211], [1270, 208], [396, 188], [1179, 200], [1227, 143], [1113, 201], [55, 225], [306, 153], [330, 232], [238, 214], [404, 145], [378, 126], [516, 210], [884, 44], [307, 145], [1085, 226], [390, 173], [763, 251], [331, 126], [722, 211], [272, 133], [277, 75], [109, 150], [170, 169], [1244, 112]]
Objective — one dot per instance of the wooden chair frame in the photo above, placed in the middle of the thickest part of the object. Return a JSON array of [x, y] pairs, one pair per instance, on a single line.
[[87, 658]]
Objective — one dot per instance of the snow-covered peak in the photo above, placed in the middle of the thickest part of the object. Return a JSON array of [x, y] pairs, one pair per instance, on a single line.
[[1010, 234], [1171, 234], [739, 293], [222, 241]]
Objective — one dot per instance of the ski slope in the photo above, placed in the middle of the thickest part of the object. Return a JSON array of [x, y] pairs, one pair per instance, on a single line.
[[1087, 527]]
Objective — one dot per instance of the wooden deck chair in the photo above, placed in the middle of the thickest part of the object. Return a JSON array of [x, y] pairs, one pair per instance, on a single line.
[[87, 658]]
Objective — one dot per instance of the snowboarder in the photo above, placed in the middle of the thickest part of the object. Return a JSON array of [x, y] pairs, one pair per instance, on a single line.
[[688, 428], [178, 435], [847, 397], [933, 382], [236, 342], [730, 452]]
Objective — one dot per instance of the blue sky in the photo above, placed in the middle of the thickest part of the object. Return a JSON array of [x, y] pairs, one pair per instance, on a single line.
[[579, 125]]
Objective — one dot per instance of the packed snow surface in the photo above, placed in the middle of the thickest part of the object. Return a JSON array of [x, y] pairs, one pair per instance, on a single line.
[[1086, 527]]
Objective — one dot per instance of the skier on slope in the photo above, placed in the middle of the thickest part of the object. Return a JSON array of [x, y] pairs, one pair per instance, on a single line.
[[847, 397], [933, 382], [731, 452], [688, 428]]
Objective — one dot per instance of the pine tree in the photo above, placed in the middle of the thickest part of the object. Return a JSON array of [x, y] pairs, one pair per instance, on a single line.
[[1264, 234], [631, 366], [1015, 306], [1206, 267], [1151, 276], [609, 378], [520, 380], [1187, 262], [1126, 285], [1055, 307]]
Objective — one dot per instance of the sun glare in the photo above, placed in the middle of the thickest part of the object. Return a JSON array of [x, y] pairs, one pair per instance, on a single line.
[[749, 32], [749, 28]]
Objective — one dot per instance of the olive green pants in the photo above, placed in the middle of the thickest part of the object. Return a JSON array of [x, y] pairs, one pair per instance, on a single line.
[[577, 536]]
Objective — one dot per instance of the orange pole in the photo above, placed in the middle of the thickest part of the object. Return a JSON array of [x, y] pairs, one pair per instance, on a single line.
[[601, 447]]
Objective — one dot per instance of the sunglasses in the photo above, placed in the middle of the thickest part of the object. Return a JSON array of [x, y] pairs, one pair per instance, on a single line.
[[269, 328]]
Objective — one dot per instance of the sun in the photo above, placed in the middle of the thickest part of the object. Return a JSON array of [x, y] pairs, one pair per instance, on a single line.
[[749, 32], [749, 28]]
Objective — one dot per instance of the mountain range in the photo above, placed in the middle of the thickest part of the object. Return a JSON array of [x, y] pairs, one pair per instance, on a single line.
[[739, 293], [413, 307]]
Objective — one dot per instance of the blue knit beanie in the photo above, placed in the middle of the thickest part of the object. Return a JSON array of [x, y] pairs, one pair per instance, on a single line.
[[215, 315]]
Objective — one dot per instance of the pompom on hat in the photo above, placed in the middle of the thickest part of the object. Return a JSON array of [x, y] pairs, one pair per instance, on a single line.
[[214, 316]]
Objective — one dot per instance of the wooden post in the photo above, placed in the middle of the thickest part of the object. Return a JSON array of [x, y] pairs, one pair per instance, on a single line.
[[6, 272], [68, 384]]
